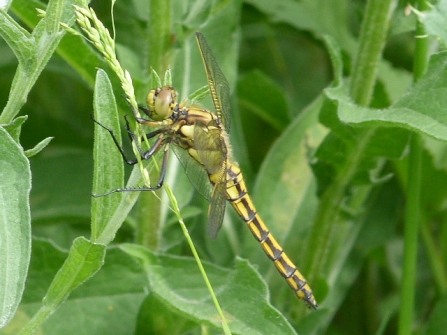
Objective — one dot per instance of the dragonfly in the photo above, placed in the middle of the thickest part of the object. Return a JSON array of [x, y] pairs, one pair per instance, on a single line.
[[199, 138]]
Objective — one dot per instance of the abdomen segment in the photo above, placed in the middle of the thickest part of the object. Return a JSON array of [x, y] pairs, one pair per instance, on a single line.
[[241, 201]]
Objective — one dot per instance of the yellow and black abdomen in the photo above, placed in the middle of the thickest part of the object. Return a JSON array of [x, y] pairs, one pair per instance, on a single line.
[[238, 196]]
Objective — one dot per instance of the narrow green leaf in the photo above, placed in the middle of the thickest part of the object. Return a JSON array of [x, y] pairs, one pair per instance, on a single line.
[[83, 261], [45, 45], [108, 173], [15, 228], [38, 147], [18, 39], [15, 127], [199, 94]]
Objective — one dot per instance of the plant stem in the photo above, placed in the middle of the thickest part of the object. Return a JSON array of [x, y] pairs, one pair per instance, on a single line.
[[434, 257], [159, 34], [158, 45], [330, 227], [372, 40], [412, 213]]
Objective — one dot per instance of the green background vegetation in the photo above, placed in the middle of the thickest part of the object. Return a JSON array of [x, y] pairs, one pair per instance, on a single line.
[[330, 155]]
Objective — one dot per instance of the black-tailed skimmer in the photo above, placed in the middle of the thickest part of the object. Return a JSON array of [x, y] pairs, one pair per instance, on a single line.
[[198, 133]]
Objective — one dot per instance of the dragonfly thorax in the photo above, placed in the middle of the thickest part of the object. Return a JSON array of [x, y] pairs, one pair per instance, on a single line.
[[162, 102]]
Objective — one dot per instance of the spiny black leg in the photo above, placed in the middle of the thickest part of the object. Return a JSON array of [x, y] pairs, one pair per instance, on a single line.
[[145, 155], [128, 161], [164, 167], [140, 107], [148, 135], [159, 183]]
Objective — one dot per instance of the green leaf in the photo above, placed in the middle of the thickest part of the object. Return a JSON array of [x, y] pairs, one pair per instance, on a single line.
[[65, 197], [285, 180], [108, 173], [167, 321], [15, 228], [241, 292], [18, 39], [46, 42], [421, 109], [434, 20], [315, 16], [15, 127], [83, 261], [38, 148], [109, 211], [114, 294], [249, 87]]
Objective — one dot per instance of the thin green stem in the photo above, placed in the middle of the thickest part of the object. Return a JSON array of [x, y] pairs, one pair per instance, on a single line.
[[159, 34], [434, 258], [372, 40], [412, 213], [412, 218], [176, 210], [332, 233]]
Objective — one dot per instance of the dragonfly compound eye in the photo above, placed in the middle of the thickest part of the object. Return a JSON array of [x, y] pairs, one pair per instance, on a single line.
[[161, 102]]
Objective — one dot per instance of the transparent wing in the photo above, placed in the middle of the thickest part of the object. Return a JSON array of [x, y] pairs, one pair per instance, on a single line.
[[196, 173], [219, 87], [212, 151], [216, 211]]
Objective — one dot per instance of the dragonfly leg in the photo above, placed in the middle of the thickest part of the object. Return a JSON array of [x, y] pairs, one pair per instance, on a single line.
[[120, 148], [160, 182], [144, 154], [146, 111], [149, 153]]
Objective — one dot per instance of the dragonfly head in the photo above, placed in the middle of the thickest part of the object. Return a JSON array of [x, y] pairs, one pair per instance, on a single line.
[[161, 102]]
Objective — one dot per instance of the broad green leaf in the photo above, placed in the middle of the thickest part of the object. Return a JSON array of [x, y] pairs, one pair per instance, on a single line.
[[15, 228], [64, 195], [317, 17], [114, 294], [249, 88], [421, 109], [241, 293], [82, 262], [285, 178], [167, 320], [285, 197], [434, 20]]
